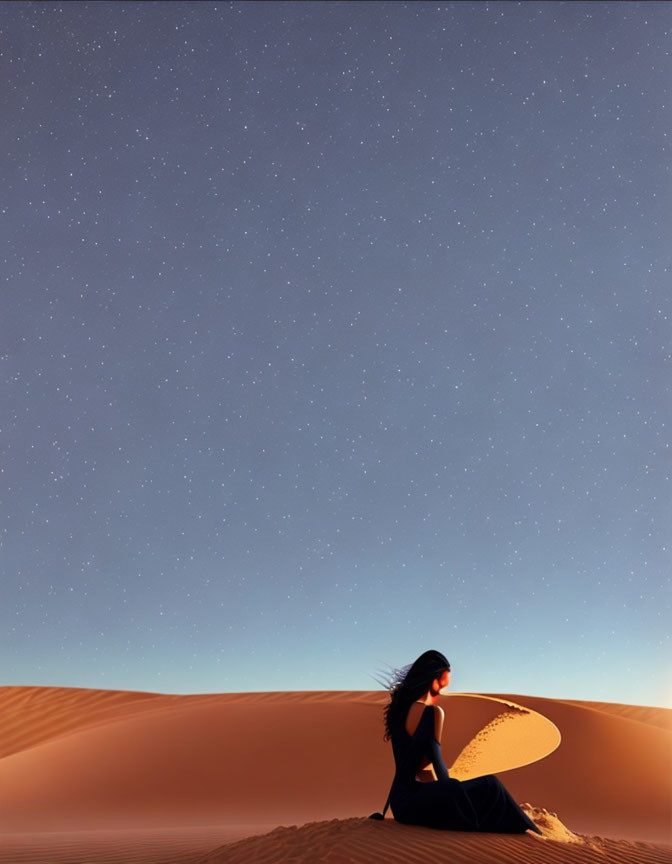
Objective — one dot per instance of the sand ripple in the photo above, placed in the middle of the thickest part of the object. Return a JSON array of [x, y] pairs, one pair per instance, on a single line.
[[361, 841]]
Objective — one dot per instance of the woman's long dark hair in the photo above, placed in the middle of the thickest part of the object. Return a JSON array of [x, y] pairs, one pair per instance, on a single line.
[[408, 684]]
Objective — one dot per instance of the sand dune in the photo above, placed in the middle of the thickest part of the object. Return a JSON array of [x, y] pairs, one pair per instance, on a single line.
[[639, 713], [164, 845], [176, 778], [611, 775], [360, 841], [32, 715], [514, 737]]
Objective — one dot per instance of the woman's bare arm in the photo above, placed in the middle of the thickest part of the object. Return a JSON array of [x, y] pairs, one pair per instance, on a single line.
[[438, 764], [426, 772], [438, 722]]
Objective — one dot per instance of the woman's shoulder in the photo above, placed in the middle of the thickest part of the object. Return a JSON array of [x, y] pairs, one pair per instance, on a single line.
[[437, 714]]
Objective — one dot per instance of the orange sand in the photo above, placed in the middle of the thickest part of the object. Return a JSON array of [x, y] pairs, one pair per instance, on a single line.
[[115, 776]]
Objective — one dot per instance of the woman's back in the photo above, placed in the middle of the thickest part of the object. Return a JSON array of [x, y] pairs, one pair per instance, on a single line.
[[415, 743]]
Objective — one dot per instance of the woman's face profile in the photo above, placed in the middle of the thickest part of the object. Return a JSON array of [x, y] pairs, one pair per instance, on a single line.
[[444, 681]]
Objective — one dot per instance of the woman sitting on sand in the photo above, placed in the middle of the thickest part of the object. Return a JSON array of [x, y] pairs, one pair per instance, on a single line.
[[422, 792]]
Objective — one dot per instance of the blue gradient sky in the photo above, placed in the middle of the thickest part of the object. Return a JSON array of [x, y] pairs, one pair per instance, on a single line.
[[333, 332]]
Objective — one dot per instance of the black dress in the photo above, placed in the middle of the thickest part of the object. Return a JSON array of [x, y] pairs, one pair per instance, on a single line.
[[480, 804]]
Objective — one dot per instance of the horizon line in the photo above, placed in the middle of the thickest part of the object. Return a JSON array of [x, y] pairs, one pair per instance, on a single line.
[[325, 690]]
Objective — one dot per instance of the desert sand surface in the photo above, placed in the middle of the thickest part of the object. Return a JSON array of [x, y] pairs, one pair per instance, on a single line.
[[119, 776], [359, 841]]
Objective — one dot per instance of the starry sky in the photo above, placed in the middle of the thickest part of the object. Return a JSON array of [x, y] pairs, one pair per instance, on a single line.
[[331, 333]]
